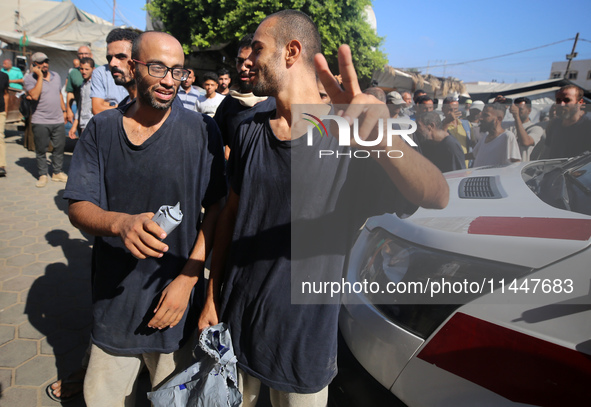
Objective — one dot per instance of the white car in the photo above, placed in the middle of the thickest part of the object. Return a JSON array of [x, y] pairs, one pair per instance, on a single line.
[[514, 326]]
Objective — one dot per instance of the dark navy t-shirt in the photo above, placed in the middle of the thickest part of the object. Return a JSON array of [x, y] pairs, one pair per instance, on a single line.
[[568, 141], [296, 220], [447, 155], [182, 162], [230, 113]]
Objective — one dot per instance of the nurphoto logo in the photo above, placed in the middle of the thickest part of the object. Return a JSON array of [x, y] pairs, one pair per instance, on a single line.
[[393, 128]]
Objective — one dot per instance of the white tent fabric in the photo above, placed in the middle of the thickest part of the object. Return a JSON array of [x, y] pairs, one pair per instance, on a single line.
[[390, 78], [54, 28]]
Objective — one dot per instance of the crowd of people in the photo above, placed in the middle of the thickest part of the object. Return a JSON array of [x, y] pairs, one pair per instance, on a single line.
[[227, 153]]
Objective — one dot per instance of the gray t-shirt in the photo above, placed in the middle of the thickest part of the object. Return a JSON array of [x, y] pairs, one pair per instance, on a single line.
[[103, 86], [85, 108], [48, 110]]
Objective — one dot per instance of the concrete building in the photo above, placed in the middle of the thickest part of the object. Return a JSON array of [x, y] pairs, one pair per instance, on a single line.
[[579, 72]]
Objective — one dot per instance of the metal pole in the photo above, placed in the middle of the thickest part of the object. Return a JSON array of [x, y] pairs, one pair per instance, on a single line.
[[115, 5], [571, 56]]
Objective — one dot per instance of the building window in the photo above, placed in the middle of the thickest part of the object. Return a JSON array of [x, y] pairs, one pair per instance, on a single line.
[[572, 75], [589, 76], [556, 75]]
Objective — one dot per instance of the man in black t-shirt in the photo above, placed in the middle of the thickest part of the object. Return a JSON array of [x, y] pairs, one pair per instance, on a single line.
[[241, 104], [289, 346], [440, 147], [129, 162], [4, 83], [569, 135]]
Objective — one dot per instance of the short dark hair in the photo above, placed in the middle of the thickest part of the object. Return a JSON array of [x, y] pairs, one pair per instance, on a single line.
[[246, 41], [122, 34], [423, 99], [296, 25], [523, 99], [87, 60], [429, 118], [223, 71], [449, 100], [499, 108], [207, 76], [578, 89], [418, 92]]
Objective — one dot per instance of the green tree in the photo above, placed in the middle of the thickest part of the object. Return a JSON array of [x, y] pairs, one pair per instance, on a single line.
[[204, 23]]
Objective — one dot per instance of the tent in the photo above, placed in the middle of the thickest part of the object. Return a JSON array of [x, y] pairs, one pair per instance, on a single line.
[[390, 78], [54, 28]]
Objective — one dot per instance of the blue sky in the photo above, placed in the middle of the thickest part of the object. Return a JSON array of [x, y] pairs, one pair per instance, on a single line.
[[427, 33]]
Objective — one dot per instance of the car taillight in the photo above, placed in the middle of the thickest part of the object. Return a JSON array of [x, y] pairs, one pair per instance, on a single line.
[[391, 263], [519, 367]]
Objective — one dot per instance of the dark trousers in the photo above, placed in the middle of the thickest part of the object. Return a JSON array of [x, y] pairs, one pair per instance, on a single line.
[[57, 134]]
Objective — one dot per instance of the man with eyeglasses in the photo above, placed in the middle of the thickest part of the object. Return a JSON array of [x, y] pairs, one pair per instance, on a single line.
[[43, 87], [110, 88], [129, 162], [240, 104]]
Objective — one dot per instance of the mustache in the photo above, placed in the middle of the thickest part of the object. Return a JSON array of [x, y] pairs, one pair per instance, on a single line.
[[117, 70]]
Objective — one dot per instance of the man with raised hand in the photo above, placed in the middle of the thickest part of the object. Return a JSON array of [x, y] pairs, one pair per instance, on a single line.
[[128, 163], [528, 133], [291, 347], [49, 115], [499, 146]]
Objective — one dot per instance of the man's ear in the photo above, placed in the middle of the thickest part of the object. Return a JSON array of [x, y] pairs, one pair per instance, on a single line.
[[293, 52], [131, 64]]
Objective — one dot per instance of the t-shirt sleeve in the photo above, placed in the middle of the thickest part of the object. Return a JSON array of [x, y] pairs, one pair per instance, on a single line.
[[29, 82], [97, 85], [4, 82], [216, 188], [513, 152], [536, 132], [69, 86], [455, 152], [369, 188], [477, 146], [84, 175], [235, 166]]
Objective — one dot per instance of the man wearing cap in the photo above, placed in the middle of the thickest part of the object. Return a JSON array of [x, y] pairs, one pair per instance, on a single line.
[[395, 104], [528, 133], [474, 119], [407, 110], [467, 106], [49, 115]]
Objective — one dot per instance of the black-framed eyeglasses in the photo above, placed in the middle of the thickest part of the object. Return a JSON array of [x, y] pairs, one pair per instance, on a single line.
[[160, 71]]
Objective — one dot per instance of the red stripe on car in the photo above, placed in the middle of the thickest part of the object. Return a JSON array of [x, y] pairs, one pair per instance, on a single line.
[[516, 366], [548, 228]]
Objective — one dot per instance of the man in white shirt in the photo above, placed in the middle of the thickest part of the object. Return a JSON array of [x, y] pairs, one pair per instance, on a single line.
[[209, 103], [497, 147], [528, 133]]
